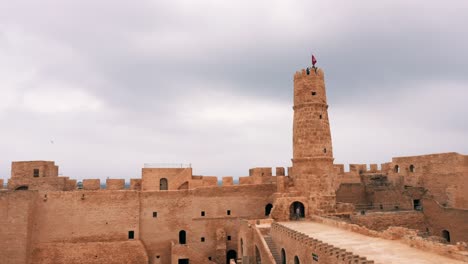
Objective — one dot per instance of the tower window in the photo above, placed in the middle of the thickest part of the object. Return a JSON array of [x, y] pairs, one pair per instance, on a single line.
[[397, 169], [320, 116], [131, 234], [228, 212], [202, 239], [314, 93], [228, 237], [36, 173], [411, 168], [324, 150], [202, 213], [155, 214]]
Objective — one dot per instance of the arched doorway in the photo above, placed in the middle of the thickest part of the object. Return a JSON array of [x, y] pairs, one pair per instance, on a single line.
[[446, 235], [163, 184], [182, 237], [231, 254], [258, 258], [296, 260], [297, 210], [22, 188], [268, 208], [283, 256]]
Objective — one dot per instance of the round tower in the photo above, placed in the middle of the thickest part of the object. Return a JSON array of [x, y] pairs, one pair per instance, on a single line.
[[312, 171]]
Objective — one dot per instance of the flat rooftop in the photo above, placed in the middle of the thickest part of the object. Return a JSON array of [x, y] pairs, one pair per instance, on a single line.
[[377, 249]]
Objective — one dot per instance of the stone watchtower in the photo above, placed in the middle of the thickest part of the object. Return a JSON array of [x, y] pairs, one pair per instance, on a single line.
[[312, 171]]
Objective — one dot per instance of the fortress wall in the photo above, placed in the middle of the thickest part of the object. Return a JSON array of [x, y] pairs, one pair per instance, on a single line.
[[91, 184], [115, 184], [16, 216], [441, 174], [354, 193], [25, 169], [115, 252], [181, 210], [86, 216], [40, 183], [450, 219], [175, 177], [382, 220], [70, 185]]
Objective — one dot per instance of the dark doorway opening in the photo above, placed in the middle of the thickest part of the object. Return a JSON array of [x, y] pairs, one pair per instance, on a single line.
[[417, 205], [296, 260], [297, 210], [231, 254], [163, 184], [268, 208], [182, 237], [446, 235], [184, 261], [22, 188], [283, 256]]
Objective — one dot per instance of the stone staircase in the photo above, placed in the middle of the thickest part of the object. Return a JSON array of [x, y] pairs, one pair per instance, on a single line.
[[273, 249]]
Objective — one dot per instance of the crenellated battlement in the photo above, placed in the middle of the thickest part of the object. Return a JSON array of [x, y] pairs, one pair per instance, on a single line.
[[303, 74]]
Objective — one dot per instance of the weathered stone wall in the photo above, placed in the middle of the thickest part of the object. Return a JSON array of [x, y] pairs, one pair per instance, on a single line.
[[382, 220], [115, 252], [25, 169], [16, 220], [440, 218], [354, 193], [86, 216], [182, 210]]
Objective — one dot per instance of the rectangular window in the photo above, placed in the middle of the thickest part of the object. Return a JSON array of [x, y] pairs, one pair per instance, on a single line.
[[228, 237], [228, 212], [202, 213], [131, 234], [155, 214], [202, 239], [36, 173]]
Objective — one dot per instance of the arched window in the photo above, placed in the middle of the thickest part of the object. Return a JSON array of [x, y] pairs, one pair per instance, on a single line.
[[268, 208], [446, 235], [411, 168], [283, 256], [258, 258], [296, 260], [231, 254], [22, 188], [397, 169], [163, 184], [182, 237]]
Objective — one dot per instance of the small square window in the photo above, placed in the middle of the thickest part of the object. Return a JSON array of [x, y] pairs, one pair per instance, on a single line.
[[228, 212], [202, 239], [155, 214], [228, 237], [209, 258], [202, 213], [131, 234], [314, 93]]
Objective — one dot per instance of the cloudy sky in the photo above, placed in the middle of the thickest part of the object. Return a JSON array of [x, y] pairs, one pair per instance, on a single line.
[[116, 84]]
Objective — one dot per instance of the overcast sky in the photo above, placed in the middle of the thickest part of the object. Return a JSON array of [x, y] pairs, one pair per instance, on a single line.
[[116, 84]]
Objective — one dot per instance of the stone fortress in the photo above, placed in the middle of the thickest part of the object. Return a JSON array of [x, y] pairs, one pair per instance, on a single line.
[[410, 210]]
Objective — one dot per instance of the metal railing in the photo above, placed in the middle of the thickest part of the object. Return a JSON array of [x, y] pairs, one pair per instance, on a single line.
[[167, 165]]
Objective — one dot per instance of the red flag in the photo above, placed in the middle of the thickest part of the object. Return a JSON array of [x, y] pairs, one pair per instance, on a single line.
[[314, 60]]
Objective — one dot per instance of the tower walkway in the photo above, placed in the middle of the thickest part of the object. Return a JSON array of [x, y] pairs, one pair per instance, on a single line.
[[377, 249]]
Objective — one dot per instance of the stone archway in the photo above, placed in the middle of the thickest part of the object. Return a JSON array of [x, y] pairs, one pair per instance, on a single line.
[[296, 211], [231, 254]]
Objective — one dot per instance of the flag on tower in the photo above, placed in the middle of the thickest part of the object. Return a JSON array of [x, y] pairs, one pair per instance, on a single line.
[[314, 60]]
